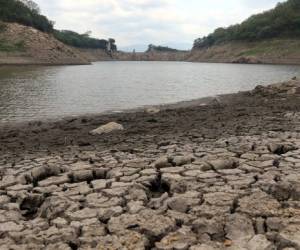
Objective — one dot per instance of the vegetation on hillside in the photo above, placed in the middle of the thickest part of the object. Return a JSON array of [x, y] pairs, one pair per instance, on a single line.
[[152, 47], [82, 40], [7, 46], [281, 22], [27, 12]]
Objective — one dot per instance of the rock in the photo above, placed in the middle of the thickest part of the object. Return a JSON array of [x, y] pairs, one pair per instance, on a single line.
[[152, 110], [259, 204], [274, 224], [84, 175], [162, 162], [107, 213], [53, 207], [182, 202], [58, 246], [41, 173], [146, 222], [56, 180], [204, 247], [108, 128], [223, 164], [127, 240], [135, 207], [83, 214], [99, 184], [182, 160], [260, 242], [291, 233], [60, 222], [10, 227], [239, 228], [220, 198], [213, 227], [182, 239]]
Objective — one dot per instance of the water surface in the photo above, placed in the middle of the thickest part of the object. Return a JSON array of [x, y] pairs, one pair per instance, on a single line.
[[35, 92]]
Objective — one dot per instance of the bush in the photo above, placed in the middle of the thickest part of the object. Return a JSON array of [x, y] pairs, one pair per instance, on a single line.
[[7, 46], [2, 27]]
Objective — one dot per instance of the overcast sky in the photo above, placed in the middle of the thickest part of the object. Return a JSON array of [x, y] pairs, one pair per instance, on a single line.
[[133, 22]]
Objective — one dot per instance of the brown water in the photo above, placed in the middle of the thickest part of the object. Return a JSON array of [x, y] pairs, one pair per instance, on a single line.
[[34, 92]]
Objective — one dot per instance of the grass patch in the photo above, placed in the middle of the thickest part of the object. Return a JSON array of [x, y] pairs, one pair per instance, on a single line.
[[6, 46], [273, 48], [2, 27]]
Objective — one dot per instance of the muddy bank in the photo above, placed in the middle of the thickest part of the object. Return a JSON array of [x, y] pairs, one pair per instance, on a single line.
[[223, 174]]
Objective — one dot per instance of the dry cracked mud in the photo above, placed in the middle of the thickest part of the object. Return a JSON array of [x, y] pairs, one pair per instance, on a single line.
[[220, 176]]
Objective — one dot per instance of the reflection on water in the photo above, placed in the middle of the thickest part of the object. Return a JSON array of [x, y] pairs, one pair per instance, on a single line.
[[32, 92]]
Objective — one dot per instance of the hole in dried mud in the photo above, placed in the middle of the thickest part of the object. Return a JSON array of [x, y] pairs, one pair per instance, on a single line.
[[235, 205], [30, 206], [73, 245], [158, 187], [282, 149]]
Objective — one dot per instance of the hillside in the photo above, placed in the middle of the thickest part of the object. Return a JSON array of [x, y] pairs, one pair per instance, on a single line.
[[270, 37], [28, 37], [25, 45], [272, 51]]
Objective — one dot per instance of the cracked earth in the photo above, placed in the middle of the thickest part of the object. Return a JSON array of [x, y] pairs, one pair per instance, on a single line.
[[220, 175]]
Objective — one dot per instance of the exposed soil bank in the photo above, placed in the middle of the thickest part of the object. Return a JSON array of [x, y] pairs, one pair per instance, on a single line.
[[39, 48], [225, 175], [277, 51]]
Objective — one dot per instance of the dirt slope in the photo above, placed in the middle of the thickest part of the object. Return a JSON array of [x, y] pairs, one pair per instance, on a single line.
[[279, 51], [37, 48], [94, 55]]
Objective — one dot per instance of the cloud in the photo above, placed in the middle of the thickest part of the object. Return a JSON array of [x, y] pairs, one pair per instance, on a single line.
[[150, 21]]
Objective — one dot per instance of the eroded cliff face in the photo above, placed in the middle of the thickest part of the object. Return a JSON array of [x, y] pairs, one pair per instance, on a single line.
[[37, 47]]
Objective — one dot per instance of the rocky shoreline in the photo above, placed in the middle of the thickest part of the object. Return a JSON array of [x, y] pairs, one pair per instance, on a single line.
[[220, 175]]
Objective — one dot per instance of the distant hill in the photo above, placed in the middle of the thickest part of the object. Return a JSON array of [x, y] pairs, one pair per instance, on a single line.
[[159, 48], [281, 22], [143, 47]]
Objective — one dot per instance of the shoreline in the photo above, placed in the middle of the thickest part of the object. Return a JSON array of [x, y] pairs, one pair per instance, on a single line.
[[201, 177], [291, 63], [140, 109]]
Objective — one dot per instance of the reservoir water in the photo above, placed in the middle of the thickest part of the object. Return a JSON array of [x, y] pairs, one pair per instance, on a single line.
[[38, 92]]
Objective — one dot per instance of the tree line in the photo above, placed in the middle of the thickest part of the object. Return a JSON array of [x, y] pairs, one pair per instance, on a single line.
[[27, 12], [281, 22], [83, 40], [152, 47]]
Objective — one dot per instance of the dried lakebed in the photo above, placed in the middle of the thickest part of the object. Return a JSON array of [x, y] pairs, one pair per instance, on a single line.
[[220, 176]]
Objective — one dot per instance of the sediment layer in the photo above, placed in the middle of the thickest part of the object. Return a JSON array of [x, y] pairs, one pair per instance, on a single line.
[[224, 174]]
